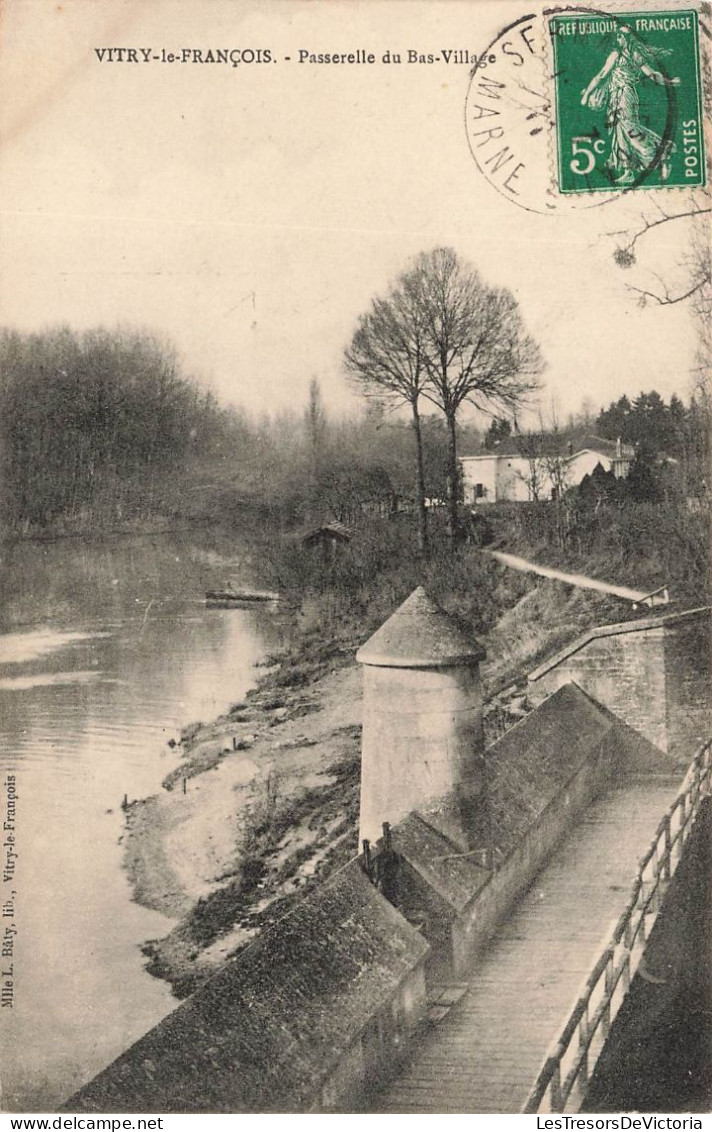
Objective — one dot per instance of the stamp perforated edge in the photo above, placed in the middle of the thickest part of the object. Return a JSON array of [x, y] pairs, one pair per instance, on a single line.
[[704, 79]]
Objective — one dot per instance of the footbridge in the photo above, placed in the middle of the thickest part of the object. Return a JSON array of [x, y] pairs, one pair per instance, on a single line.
[[491, 943], [525, 1031]]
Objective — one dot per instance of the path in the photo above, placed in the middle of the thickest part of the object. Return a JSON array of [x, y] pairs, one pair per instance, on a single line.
[[579, 580], [485, 1054]]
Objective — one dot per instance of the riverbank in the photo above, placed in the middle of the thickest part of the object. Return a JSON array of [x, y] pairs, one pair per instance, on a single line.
[[96, 535], [264, 804]]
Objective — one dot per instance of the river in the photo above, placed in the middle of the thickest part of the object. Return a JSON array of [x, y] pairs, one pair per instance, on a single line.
[[105, 652]]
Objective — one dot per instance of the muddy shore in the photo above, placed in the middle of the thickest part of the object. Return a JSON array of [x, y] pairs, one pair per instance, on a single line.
[[263, 804]]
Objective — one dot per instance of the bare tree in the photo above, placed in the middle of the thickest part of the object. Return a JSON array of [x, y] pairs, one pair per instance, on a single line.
[[585, 418], [315, 428], [385, 360], [531, 448], [689, 219], [475, 349], [691, 285]]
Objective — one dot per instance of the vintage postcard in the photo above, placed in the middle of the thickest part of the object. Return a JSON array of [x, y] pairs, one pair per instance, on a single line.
[[354, 529]]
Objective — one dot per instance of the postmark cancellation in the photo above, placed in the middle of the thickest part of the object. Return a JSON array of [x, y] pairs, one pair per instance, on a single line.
[[571, 106]]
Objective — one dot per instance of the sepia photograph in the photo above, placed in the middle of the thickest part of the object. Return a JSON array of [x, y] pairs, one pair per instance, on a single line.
[[355, 611]]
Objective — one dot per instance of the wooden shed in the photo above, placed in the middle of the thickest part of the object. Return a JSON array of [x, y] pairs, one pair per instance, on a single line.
[[330, 539]]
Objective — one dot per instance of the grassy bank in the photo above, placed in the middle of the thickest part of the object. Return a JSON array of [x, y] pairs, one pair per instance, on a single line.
[[641, 544]]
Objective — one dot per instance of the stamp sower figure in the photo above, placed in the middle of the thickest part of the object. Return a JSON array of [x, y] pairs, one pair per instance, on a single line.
[[634, 147]]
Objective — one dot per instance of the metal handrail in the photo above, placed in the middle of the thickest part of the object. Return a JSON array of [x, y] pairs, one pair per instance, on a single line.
[[619, 959], [647, 599]]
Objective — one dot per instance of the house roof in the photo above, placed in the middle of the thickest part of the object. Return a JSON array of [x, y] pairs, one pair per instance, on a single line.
[[334, 529], [420, 635], [592, 443], [526, 768], [548, 445], [455, 876], [265, 1032]]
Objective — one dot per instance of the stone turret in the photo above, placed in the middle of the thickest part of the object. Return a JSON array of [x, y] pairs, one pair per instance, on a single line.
[[422, 721]]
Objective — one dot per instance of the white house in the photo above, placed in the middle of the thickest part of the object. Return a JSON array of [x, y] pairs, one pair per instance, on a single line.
[[522, 468]]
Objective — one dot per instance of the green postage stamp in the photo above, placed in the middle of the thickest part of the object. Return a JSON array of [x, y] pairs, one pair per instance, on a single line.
[[628, 100]]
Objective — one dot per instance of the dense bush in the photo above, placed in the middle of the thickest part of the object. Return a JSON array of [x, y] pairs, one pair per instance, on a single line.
[[103, 428], [347, 592], [101, 425], [611, 533]]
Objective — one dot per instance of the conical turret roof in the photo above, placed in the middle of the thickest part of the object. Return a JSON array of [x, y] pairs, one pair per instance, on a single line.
[[420, 635]]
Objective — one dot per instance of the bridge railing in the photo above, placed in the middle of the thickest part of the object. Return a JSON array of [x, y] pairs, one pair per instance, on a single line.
[[563, 1079]]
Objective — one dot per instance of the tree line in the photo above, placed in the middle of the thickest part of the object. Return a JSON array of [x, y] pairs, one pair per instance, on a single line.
[[661, 432], [104, 428], [99, 424]]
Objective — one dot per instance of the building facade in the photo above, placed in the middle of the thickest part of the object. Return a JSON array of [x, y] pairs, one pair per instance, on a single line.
[[523, 470]]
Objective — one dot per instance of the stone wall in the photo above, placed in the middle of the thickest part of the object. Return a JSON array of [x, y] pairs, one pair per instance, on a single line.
[[303, 1020], [457, 937], [688, 677], [377, 1051], [653, 674], [420, 903]]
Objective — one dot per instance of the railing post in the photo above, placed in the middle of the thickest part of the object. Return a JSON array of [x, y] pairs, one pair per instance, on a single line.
[[641, 908], [657, 870], [628, 932], [555, 1088], [583, 1035], [705, 766], [626, 970], [642, 925], [668, 848], [608, 984], [694, 792]]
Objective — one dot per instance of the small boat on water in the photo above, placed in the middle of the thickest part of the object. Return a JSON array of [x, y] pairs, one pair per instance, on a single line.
[[238, 597]]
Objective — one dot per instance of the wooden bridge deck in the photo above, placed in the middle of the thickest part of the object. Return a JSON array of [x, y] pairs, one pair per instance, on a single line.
[[485, 1054]]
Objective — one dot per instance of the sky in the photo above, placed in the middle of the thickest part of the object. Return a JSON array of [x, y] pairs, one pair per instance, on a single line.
[[248, 214]]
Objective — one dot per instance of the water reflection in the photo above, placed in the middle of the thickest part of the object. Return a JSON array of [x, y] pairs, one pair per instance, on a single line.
[[108, 652]]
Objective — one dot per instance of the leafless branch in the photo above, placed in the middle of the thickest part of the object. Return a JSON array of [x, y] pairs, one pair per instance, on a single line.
[[648, 225], [697, 286], [668, 299]]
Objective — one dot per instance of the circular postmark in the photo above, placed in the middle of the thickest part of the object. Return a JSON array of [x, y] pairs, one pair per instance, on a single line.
[[518, 122], [508, 115]]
